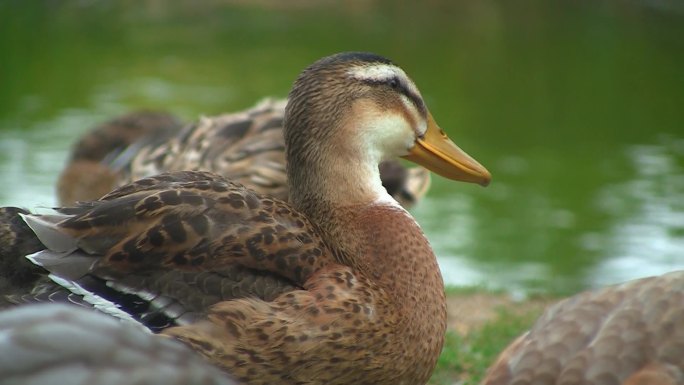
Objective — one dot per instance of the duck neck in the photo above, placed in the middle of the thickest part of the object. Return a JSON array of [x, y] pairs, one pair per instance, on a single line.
[[346, 180], [330, 158], [344, 196]]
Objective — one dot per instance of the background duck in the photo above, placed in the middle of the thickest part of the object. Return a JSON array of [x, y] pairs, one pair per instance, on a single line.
[[246, 146], [628, 334], [90, 172], [344, 287]]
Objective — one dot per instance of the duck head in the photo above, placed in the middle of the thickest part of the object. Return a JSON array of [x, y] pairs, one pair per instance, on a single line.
[[348, 112]]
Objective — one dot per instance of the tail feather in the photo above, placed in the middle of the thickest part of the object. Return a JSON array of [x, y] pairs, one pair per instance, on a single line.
[[69, 265], [49, 235]]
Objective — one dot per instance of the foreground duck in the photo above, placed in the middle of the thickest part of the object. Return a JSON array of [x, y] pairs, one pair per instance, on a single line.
[[246, 147], [339, 286], [57, 344]]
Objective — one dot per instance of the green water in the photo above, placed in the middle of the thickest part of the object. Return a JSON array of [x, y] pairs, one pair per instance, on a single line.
[[576, 107]]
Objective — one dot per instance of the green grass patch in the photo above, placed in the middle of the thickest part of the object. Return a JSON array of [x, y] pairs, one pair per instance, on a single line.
[[469, 290], [465, 359]]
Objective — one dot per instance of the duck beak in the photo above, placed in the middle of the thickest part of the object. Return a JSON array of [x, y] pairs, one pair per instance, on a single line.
[[436, 152]]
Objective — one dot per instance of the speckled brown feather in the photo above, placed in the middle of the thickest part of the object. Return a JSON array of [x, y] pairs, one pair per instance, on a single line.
[[628, 334], [192, 237], [346, 317], [195, 221], [169, 235]]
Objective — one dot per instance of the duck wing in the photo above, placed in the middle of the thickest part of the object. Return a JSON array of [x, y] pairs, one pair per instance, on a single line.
[[181, 241]]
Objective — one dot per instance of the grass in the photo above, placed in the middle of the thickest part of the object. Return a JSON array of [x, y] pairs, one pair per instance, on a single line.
[[452, 290], [466, 357]]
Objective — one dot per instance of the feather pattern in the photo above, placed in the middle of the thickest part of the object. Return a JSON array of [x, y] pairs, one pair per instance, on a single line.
[[193, 238], [628, 334]]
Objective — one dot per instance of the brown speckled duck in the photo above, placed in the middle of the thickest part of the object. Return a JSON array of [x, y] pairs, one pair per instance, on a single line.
[[339, 286], [246, 147], [628, 334]]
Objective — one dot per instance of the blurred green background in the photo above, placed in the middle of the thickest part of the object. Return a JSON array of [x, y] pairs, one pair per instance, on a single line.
[[576, 107]]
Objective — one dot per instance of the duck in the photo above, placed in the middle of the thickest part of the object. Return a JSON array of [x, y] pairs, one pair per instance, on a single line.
[[245, 146], [629, 334], [108, 352], [337, 285], [622, 334]]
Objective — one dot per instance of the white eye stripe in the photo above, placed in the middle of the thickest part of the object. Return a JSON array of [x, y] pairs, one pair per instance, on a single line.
[[376, 72], [380, 73]]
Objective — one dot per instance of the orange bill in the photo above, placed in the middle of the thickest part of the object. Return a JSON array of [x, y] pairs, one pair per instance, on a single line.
[[436, 152]]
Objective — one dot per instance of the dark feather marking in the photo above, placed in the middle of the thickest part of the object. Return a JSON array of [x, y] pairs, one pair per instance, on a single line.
[[235, 130]]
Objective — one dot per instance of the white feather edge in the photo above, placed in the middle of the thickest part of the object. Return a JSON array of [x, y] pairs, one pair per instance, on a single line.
[[61, 250], [166, 305], [99, 303], [143, 294], [67, 264]]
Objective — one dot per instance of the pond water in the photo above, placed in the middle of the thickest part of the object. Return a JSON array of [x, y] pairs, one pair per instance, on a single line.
[[575, 107]]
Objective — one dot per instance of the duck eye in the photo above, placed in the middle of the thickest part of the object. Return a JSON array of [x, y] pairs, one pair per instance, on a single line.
[[394, 83]]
